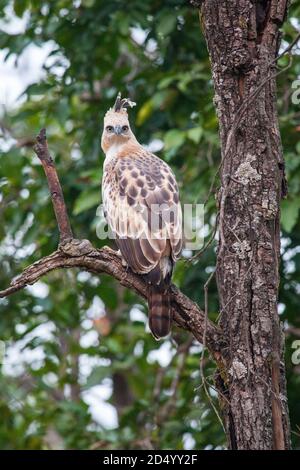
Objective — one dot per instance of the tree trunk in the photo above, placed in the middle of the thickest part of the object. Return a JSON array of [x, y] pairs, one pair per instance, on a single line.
[[243, 39]]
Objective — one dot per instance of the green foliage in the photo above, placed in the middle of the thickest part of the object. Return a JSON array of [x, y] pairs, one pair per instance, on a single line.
[[154, 52]]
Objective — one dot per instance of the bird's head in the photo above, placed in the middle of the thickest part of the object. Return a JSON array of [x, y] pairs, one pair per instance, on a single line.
[[116, 129]]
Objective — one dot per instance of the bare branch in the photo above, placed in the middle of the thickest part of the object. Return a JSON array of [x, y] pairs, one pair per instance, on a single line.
[[81, 254], [42, 151]]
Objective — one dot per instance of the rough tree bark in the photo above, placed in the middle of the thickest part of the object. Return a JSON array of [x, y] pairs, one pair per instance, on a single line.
[[243, 39]]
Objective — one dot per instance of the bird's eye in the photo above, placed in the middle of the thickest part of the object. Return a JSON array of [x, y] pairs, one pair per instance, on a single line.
[[109, 128], [125, 128]]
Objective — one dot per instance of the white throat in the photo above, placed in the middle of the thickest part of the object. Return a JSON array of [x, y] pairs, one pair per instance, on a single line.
[[111, 153]]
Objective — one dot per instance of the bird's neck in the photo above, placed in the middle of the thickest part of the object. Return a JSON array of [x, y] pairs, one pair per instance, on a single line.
[[121, 149], [112, 152]]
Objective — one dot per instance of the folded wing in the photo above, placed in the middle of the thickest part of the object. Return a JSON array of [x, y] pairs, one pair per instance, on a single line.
[[143, 210]]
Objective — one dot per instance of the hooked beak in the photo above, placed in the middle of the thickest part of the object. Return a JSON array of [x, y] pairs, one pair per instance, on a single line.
[[118, 130]]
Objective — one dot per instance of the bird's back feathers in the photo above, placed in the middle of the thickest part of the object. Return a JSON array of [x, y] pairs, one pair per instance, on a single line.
[[141, 200]]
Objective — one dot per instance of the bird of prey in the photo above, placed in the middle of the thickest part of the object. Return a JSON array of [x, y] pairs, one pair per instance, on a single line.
[[141, 205]]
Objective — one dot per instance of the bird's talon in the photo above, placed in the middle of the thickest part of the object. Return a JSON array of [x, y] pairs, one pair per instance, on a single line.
[[108, 248]]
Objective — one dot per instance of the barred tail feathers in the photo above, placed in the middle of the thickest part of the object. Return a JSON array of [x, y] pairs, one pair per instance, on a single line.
[[159, 298], [159, 311]]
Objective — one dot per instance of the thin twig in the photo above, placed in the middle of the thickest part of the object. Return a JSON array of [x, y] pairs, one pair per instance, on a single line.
[[204, 382], [244, 106], [207, 244], [170, 405], [238, 116], [287, 50], [215, 389]]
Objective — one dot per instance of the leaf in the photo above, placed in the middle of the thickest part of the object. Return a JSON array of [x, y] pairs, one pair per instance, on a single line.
[[20, 7], [166, 23], [157, 101], [144, 112], [159, 98], [88, 3], [86, 201], [166, 82], [96, 376], [174, 139], [289, 213], [195, 134]]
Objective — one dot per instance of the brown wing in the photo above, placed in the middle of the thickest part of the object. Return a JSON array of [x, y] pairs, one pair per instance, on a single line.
[[143, 210]]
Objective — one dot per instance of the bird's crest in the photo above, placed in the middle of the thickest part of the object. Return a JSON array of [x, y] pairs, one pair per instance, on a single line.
[[121, 105]]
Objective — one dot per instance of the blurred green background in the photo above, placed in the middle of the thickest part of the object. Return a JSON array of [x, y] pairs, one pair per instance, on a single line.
[[81, 369]]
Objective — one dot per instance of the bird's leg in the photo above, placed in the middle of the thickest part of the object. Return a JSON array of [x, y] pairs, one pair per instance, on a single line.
[[124, 264], [108, 248], [119, 254]]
